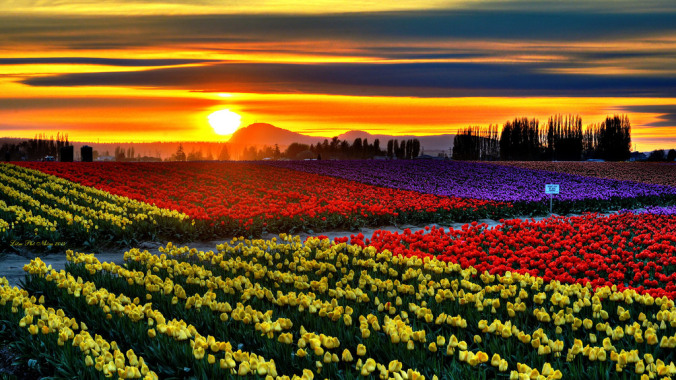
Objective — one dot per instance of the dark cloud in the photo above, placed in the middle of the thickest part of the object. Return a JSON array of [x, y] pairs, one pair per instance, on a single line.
[[17, 104], [614, 55], [666, 119], [411, 79], [101, 61], [419, 52], [479, 24]]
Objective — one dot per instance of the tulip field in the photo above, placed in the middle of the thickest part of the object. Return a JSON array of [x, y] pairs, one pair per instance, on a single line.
[[522, 187], [286, 308], [657, 173], [52, 212], [232, 199], [587, 296]]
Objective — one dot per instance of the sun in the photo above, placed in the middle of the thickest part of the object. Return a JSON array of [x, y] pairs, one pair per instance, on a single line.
[[224, 122]]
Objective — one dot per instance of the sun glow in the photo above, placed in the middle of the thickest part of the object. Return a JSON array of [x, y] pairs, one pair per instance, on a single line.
[[224, 122]]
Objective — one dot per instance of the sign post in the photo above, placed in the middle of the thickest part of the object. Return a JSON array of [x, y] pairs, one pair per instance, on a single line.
[[551, 189]]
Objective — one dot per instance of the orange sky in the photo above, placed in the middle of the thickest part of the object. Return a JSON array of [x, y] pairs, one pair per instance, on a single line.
[[155, 72]]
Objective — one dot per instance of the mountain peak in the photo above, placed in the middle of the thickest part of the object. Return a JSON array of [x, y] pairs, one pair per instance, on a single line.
[[354, 134], [257, 127], [262, 134]]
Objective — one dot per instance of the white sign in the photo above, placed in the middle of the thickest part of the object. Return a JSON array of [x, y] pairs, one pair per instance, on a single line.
[[551, 188]]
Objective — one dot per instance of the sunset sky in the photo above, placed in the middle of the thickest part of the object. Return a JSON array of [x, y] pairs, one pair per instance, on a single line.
[[151, 70]]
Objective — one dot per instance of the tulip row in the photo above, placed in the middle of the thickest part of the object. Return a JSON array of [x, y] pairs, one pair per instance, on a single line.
[[628, 250], [312, 308], [49, 337], [521, 186], [668, 210], [644, 172], [231, 199], [46, 212]]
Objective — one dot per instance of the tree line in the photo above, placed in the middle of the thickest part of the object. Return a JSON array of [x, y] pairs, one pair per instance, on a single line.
[[34, 149], [335, 148], [562, 138]]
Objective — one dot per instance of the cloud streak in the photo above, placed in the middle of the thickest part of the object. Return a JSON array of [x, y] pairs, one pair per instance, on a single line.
[[125, 62], [667, 114], [413, 79], [439, 25]]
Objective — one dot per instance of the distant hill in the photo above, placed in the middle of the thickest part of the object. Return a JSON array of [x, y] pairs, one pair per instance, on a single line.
[[263, 134]]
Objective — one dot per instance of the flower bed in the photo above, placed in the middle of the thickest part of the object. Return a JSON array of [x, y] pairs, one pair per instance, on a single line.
[[523, 187], [331, 310], [229, 199], [669, 210], [42, 212], [625, 250], [644, 172]]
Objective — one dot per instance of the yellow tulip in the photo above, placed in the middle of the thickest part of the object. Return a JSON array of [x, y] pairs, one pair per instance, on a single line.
[[547, 369], [495, 360], [640, 367], [503, 365], [361, 350], [243, 369]]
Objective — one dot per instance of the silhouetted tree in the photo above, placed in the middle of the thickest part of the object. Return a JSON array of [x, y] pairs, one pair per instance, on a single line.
[[615, 139], [224, 154], [519, 140], [657, 155], [180, 154], [195, 155], [476, 143], [590, 140], [344, 149], [119, 154], [563, 138], [671, 155], [295, 148], [357, 148], [415, 151]]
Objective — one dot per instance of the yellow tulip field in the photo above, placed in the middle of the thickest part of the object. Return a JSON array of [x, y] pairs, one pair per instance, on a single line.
[[282, 308]]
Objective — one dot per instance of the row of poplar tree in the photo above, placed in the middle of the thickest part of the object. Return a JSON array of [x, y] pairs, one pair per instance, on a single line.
[[344, 150], [561, 139]]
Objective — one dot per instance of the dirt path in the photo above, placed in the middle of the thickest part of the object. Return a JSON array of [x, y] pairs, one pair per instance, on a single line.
[[11, 265]]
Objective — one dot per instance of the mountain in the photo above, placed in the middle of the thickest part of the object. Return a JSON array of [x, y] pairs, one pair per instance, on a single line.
[[263, 134]]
